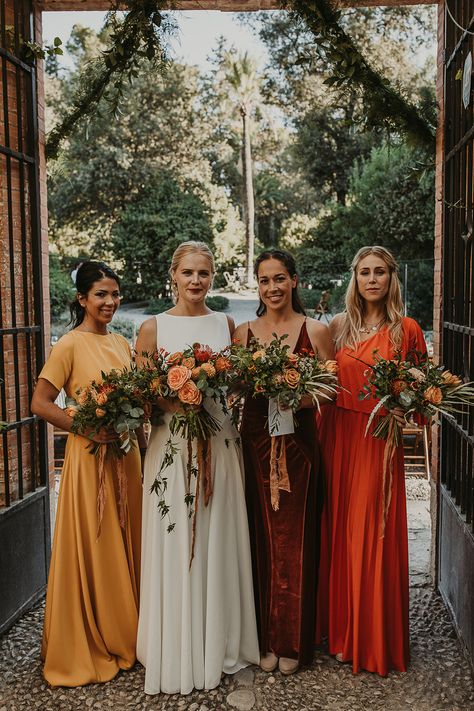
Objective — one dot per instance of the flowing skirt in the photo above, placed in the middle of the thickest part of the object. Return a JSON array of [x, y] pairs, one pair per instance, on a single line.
[[363, 596], [196, 623]]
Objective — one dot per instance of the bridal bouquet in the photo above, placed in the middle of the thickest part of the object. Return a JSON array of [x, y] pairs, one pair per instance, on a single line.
[[187, 377], [416, 385], [115, 402], [419, 387], [284, 378]]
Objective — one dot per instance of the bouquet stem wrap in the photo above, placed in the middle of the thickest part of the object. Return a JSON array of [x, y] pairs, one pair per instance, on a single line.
[[279, 478], [118, 463]]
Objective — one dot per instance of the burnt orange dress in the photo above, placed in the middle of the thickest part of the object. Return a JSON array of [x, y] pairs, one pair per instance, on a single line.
[[365, 586], [284, 543]]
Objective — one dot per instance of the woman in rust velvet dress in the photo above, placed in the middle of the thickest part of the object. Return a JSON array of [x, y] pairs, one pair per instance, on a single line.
[[367, 585], [285, 543]]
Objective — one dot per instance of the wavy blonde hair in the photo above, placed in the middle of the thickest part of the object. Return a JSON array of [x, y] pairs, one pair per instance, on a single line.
[[355, 305], [183, 250]]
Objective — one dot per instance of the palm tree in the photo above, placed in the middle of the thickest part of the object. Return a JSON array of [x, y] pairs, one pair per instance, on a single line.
[[242, 77]]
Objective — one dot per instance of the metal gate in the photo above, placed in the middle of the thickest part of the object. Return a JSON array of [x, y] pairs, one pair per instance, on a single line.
[[456, 532], [24, 501]]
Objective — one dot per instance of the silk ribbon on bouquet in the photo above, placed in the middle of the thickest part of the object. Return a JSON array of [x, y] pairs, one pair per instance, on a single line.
[[204, 479], [119, 467], [279, 478]]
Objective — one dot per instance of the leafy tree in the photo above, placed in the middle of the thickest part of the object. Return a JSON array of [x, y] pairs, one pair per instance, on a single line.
[[149, 228], [61, 288]]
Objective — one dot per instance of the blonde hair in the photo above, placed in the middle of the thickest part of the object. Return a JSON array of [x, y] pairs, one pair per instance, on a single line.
[[355, 305], [183, 250]]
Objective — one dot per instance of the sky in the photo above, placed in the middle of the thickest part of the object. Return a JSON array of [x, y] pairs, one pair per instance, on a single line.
[[197, 37]]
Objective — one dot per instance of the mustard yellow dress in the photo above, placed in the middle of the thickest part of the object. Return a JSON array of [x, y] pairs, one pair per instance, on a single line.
[[91, 617]]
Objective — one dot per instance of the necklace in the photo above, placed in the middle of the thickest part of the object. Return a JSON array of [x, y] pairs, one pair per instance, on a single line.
[[371, 328]]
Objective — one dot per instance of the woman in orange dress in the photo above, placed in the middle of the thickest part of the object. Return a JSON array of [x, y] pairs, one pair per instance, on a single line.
[[284, 543], [91, 616], [368, 568]]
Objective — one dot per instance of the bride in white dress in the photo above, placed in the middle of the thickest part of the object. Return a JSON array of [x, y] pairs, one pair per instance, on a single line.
[[194, 623]]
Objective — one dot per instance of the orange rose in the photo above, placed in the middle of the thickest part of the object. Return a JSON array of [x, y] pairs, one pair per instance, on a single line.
[[292, 358], [398, 386], [223, 364], [101, 398], [82, 396], [189, 362], [178, 375], [331, 366], [190, 394], [451, 380], [209, 369], [174, 358], [292, 377], [433, 395], [195, 373], [258, 354], [71, 411], [99, 412]]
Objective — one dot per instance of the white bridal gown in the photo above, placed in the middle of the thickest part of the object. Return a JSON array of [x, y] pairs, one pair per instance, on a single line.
[[195, 624]]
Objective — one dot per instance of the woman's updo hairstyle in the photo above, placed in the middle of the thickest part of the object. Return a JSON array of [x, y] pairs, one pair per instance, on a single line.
[[289, 263], [183, 250], [87, 274]]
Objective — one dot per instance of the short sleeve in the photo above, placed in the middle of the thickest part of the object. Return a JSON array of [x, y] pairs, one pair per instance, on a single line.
[[57, 369]]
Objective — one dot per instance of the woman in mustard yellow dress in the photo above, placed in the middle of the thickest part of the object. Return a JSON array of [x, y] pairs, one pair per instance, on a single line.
[[90, 624]]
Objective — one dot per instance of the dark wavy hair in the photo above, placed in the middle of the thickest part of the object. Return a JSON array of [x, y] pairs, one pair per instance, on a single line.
[[289, 263], [87, 274]]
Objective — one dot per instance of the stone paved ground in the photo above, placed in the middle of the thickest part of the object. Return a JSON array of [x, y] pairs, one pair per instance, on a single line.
[[439, 677]]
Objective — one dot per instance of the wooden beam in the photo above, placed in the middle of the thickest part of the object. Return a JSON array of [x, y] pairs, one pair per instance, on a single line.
[[221, 5]]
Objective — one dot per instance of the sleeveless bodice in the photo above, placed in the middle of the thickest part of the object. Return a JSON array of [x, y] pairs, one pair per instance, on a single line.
[[177, 332]]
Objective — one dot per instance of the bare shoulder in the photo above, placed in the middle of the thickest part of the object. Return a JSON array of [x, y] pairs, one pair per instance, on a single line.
[[336, 324], [147, 336], [148, 326], [320, 338], [240, 333], [231, 324]]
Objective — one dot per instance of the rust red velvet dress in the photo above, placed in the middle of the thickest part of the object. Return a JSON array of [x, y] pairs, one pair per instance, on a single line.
[[364, 590], [284, 543]]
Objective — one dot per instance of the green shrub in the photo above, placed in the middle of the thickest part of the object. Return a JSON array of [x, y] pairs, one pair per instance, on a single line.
[[124, 326], [217, 303], [61, 288], [157, 306], [309, 297]]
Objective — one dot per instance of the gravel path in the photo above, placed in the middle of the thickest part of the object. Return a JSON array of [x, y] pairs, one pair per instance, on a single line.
[[439, 677]]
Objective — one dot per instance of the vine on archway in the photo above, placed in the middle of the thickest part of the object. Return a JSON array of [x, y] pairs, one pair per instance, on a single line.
[[142, 33]]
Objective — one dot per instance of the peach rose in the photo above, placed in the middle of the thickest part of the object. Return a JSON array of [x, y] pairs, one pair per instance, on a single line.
[[82, 396], [174, 358], [101, 398], [451, 380], [223, 364], [209, 369], [292, 377], [433, 395], [71, 411], [331, 366], [99, 412], [189, 362], [178, 375], [258, 354], [190, 394]]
